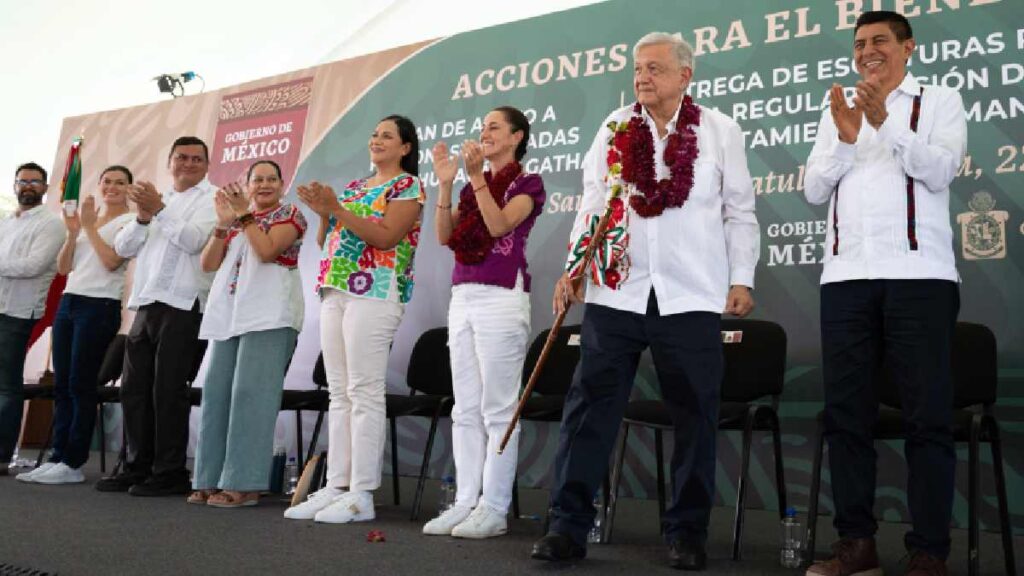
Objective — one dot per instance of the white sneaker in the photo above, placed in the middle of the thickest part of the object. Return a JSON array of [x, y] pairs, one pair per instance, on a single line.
[[314, 503], [60, 474], [350, 507], [483, 522], [28, 476], [450, 518]]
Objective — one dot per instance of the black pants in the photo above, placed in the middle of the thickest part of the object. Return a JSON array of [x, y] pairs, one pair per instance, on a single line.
[[906, 328], [161, 352], [687, 352]]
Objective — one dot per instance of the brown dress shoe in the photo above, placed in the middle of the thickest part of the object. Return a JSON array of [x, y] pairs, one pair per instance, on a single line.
[[850, 557], [924, 564]]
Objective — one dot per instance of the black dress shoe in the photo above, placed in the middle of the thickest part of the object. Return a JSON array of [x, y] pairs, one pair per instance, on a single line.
[[683, 555], [556, 547], [161, 486], [120, 482]]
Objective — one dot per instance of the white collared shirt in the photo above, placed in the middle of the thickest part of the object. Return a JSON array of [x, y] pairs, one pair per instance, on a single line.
[[167, 250], [690, 255], [871, 179], [29, 244]]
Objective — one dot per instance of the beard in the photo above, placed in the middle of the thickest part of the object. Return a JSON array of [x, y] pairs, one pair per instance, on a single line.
[[29, 198]]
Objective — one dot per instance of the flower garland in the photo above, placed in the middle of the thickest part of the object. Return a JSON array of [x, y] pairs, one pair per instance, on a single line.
[[631, 157], [471, 241]]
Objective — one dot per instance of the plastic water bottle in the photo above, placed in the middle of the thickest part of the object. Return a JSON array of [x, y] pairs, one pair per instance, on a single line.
[[291, 472], [447, 498], [277, 465], [595, 536], [792, 540]]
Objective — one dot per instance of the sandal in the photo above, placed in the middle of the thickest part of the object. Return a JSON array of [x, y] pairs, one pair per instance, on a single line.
[[233, 499], [201, 496]]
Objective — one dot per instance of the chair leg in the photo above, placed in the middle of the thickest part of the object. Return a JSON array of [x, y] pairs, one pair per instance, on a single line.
[[812, 505], [515, 499], [396, 494], [741, 491], [973, 470], [659, 464], [46, 446], [613, 493], [317, 428], [417, 500], [1004, 507], [780, 468], [298, 436], [103, 438]]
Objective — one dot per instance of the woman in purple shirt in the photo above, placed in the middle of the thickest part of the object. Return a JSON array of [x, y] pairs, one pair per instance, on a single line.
[[489, 316]]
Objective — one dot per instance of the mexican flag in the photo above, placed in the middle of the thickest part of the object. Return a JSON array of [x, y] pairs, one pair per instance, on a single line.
[[72, 183]]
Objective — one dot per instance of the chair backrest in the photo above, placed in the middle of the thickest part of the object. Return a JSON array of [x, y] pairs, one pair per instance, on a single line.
[[755, 359], [430, 365], [320, 373], [974, 366], [556, 377], [113, 361]]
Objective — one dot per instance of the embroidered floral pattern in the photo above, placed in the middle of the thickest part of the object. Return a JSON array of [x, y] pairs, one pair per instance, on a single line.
[[351, 265], [285, 214], [632, 175]]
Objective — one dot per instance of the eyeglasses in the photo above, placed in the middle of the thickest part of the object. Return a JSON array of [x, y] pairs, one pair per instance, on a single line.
[[31, 182], [183, 158]]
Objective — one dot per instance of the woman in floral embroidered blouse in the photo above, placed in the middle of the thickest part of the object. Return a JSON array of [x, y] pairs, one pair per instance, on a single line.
[[489, 315], [252, 320], [368, 233]]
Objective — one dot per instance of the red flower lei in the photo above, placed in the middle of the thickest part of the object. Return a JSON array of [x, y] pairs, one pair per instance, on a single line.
[[470, 240], [634, 147]]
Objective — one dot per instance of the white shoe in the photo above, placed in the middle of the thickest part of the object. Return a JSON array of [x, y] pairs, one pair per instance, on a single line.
[[483, 522], [314, 503], [350, 507], [60, 474], [450, 518], [31, 474]]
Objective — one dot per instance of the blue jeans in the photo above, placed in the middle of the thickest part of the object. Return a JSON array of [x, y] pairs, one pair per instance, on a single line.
[[241, 399], [14, 333], [82, 330]]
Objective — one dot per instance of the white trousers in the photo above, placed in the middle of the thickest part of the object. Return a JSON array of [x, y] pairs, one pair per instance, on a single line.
[[488, 329], [355, 336]]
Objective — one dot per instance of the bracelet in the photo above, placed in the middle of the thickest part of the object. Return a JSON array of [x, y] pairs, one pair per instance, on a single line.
[[444, 207], [220, 232], [475, 190], [246, 219]]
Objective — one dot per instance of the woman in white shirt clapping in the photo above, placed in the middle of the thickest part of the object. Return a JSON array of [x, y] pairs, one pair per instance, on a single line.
[[252, 320]]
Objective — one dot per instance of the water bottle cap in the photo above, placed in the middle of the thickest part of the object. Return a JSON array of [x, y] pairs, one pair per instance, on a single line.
[[790, 512]]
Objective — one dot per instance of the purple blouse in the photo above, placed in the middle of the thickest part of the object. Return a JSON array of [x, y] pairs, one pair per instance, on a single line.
[[508, 256]]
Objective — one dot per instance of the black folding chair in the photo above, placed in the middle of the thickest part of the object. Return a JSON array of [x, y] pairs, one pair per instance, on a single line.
[[429, 378], [755, 367], [548, 398], [974, 396]]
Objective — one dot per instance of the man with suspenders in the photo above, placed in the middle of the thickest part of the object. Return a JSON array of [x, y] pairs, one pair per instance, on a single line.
[[889, 290]]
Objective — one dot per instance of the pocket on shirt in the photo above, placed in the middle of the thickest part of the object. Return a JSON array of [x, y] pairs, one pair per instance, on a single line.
[[707, 180]]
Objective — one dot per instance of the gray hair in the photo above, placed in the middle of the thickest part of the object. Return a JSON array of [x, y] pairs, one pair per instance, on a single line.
[[681, 48]]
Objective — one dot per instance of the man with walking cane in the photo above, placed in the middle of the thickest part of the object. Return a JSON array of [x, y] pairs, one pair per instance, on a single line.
[[680, 247]]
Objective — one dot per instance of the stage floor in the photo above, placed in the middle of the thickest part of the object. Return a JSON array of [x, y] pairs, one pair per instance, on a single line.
[[75, 530]]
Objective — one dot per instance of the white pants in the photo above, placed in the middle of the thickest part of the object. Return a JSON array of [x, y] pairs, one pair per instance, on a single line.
[[355, 336], [488, 328]]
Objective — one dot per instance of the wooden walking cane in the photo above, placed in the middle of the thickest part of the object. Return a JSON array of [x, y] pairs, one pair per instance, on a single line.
[[599, 231]]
